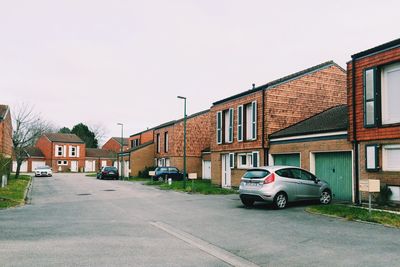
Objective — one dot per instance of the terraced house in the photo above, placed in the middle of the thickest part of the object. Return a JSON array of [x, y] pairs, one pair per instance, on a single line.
[[141, 151], [241, 124], [168, 142], [373, 79], [63, 152]]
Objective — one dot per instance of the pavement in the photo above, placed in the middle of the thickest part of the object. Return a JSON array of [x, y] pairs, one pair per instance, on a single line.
[[75, 220]]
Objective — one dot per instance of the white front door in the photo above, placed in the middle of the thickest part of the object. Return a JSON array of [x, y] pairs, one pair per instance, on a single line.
[[103, 163], [226, 171], [206, 169], [74, 166], [126, 169]]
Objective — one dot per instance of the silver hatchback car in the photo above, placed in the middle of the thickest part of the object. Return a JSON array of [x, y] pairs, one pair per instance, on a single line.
[[282, 184]]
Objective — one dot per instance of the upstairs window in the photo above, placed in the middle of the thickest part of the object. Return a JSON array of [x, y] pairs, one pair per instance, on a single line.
[[158, 143], [166, 146], [228, 127], [369, 98], [390, 94], [251, 121], [72, 151], [219, 127], [240, 123], [59, 151], [134, 142]]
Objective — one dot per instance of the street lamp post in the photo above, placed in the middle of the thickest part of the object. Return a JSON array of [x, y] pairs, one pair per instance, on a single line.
[[184, 141], [122, 150]]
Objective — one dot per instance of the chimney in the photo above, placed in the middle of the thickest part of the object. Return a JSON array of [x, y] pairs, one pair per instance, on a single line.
[[254, 86]]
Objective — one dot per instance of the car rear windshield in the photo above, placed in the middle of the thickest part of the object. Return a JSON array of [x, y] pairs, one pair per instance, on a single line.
[[111, 169], [43, 167], [256, 174]]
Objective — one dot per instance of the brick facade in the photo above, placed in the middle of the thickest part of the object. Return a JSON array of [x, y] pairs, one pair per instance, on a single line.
[[286, 101], [379, 134], [114, 145], [6, 145], [197, 139], [141, 138], [141, 158]]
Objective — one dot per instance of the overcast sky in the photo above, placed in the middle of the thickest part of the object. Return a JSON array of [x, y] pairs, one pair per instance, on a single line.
[[126, 61]]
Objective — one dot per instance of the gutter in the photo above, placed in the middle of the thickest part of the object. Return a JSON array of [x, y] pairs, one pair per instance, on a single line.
[[355, 143]]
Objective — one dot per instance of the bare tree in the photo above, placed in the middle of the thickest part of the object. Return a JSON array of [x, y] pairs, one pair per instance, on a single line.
[[28, 127], [100, 132]]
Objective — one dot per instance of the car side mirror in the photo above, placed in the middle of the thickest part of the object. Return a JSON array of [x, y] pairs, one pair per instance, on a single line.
[[317, 180]]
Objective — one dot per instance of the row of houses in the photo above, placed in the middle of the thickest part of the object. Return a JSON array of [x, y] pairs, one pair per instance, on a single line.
[[342, 125]]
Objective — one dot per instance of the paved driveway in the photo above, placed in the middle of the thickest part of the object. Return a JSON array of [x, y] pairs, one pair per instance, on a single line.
[[80, 221]]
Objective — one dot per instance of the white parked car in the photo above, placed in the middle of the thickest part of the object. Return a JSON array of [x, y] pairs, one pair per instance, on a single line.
[[43, 171]]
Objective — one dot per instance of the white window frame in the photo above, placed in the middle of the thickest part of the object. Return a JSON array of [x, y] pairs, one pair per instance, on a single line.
[[219, 127], [386, 113], [230, 126], [372, 157], [158, 137], [385, 156], [255, 154], [240, 123], [232, 160], [59, 151], [62, 162], [73, 151], [254, 120], [249, 160], [166, 145]]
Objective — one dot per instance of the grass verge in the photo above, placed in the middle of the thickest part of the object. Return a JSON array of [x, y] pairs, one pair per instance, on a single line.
[[91, 174], [198, 186], [13, 194], [355, 213]]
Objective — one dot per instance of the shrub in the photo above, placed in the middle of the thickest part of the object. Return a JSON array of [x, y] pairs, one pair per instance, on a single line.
[[145, 172], [382, 198]]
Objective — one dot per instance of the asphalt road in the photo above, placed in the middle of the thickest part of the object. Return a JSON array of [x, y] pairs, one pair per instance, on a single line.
[[75, 220]]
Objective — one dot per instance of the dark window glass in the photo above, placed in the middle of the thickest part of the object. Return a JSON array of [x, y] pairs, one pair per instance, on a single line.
[[254, 174], [287, 173]]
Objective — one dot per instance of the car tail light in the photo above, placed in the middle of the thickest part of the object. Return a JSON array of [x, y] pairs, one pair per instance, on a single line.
[[104, 173], [270, 179]]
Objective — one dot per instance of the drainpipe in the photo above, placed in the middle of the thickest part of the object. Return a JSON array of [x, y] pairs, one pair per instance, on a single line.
[[355, 143], [265, 152]]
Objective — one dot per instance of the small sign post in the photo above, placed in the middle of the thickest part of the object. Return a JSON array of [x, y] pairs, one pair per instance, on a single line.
[[192, 176], [370, 186]]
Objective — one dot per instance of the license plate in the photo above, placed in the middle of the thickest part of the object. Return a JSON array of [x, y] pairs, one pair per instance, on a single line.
[[111, 172]]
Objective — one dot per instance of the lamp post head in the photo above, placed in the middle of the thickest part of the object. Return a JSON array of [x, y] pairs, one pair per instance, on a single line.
[[181, 97], [120, 123]]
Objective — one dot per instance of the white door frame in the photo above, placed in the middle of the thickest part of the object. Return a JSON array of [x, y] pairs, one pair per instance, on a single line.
[[226, 172], [75, 164]]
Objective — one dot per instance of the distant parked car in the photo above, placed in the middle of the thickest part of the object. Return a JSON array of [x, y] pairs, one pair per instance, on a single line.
[[282, 184], [108, 172], [167, 172], [43, 171]]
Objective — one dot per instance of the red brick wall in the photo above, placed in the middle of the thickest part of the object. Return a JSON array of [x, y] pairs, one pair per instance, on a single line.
[[143, 137], [172, 146], [141, 158], [113, 145], [6, 145], [364, 134], [301, 98]]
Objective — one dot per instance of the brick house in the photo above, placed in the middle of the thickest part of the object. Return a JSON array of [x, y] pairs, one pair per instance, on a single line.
[[242, 123], [373, 80], [97, 158], [63, 152], [34, 159], [140, 138], [318, 144], [6, 145], [168, 142], [114, 144]]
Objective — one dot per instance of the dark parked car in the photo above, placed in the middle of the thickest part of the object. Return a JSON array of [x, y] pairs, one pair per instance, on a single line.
[[108, 172], [167, 172]]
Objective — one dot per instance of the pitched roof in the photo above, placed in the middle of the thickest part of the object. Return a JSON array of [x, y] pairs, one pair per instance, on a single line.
[[99, 153], [330, 120], [179, 120], [34, 152], [3, 111], [376, 49], [118, 139], [63, 138], [282, 80]]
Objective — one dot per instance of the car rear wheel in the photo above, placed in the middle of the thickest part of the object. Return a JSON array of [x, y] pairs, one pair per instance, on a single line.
[[247, 202], [326, 197], [280, 200]]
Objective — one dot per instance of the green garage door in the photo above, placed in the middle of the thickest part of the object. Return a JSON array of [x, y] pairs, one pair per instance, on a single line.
[[336, 169], [287, 159]]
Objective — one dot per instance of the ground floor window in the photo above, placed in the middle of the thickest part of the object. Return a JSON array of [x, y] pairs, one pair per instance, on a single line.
[[62, 162], [248, 160], [391, 157]]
